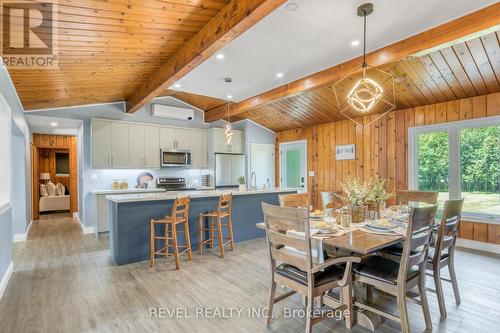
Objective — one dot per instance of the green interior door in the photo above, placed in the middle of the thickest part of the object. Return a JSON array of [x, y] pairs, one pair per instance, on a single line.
[[293, 176]]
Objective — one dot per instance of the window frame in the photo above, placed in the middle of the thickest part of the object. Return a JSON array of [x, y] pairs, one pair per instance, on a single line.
[[454, 176]]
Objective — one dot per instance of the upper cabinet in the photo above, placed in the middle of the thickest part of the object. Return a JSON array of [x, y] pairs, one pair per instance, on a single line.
[[117, 144], [219, 145]]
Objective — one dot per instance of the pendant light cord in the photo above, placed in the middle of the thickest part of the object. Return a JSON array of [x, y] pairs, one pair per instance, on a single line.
[[364, 38]]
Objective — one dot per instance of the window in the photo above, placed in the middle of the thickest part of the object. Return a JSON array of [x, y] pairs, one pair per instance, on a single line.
[[62, 163], [460, 159]]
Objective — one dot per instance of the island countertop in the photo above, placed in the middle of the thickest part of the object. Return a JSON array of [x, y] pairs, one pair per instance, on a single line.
[[138, 197]]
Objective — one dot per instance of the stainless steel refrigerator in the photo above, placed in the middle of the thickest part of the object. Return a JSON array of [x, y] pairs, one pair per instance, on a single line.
[[228, 167]]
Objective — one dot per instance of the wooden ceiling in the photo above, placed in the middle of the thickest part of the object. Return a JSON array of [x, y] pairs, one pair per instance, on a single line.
[[466, 69], [107, 49]]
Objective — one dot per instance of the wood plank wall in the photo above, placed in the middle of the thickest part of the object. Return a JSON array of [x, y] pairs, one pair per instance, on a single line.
[[382, 149]]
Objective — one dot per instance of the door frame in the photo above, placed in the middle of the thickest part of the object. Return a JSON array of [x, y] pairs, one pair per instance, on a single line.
[[289, 143], [273, 182]]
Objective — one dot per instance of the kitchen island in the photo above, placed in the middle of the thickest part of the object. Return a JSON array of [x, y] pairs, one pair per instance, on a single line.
[[130, 215]]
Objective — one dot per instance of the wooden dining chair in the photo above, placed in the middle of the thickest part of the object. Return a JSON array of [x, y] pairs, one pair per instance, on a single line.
[[331, 200], [397, 278], [297, 200], [405, 196], [442, 251], [296, 269], [180, 214]]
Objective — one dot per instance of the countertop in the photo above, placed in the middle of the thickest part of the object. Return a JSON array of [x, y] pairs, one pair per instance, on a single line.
[[136, 197], [131, 190]]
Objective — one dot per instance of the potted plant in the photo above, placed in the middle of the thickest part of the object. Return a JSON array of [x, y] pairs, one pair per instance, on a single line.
[[378, 194], [355, 194], [241, 181]]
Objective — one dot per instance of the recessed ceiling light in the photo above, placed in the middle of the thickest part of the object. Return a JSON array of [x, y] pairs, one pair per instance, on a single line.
[[177, 85], [355, 43], [292, 6], [229, 96], [220, 56], [279, 75], [53, 124]]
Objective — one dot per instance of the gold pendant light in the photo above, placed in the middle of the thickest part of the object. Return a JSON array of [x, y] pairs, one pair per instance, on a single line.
[[366, 95], [228, 132]]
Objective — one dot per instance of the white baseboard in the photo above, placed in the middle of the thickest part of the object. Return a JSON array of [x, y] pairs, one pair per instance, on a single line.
[[85, 230], [6, 278], [476, 245], [23, 237]]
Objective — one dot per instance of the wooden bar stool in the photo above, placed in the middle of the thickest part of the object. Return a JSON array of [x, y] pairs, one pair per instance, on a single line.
[[180, 212], [215, 226]]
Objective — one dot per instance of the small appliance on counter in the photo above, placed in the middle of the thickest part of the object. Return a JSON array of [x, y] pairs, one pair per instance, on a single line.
[[173, 184]]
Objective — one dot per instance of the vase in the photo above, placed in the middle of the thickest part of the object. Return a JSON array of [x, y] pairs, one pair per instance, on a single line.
[[243, 187], [358, 213]]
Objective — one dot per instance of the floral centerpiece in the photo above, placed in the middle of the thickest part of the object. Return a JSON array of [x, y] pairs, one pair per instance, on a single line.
[[378, 193], [355, 194]]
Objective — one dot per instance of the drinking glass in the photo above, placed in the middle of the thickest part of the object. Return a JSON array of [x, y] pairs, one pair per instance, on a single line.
[[344, 220]]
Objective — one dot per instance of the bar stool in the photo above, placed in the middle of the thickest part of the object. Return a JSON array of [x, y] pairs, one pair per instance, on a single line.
[[180, 212], [215, 225]]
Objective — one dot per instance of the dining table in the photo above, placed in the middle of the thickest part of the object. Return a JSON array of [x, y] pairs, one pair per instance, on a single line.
[[357, 241]]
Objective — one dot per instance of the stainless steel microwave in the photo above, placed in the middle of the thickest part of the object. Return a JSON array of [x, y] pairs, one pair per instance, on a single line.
[[171, 158]]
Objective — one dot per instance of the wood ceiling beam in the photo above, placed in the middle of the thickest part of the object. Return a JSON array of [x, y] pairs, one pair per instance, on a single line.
[[477, 21], [234, 19]]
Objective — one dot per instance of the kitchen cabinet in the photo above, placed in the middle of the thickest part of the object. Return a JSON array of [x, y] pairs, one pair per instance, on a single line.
[[199, 149], [219, 141], [175, 138], [152, 147], [144, 146], [119, 145], [101, 144]]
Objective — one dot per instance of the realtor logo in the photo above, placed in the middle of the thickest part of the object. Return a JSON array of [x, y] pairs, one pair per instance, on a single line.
[[29, 34]]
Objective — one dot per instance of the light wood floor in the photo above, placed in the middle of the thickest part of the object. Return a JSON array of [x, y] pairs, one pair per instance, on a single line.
[[65, 282]]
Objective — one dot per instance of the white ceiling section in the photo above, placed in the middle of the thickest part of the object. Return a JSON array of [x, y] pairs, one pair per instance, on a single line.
[[316, 36]]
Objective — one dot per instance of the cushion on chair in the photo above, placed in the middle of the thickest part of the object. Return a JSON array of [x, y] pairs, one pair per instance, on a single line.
[[382, 269], [430, 255], [330, 274], [60, 189]]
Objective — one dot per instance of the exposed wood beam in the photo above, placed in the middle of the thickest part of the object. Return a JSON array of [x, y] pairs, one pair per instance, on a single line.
[[445, 33], [234, 19]]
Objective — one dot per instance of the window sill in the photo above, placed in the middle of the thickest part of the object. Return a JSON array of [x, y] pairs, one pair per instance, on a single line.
[[478, 219], [4, 207]]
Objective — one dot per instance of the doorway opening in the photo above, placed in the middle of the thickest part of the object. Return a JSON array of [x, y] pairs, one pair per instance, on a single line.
[[293, 164], [54, 175]]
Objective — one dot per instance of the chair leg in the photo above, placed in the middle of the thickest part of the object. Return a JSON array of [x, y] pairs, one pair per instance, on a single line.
[[369, 294], [423, 297], [439, 290], [309, 311], [152, 246], [200, 244], [212, 222], [176, 249], [167, 241], [230, 227], [346, 299], [220, 237], [188, 240], [453, 276], [403, 312], [270, 304]]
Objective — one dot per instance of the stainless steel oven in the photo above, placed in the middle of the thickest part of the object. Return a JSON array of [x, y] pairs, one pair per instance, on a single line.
[[171, 158]]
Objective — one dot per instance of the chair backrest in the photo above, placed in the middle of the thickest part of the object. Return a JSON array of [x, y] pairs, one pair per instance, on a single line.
[[448, 228], [331, 200], [430, 197], [417, 241], [180, 209], [299, 200], [225, 202], [278, 221]]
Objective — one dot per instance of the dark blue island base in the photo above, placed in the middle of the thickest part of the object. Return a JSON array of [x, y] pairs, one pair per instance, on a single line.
[[130, 222]]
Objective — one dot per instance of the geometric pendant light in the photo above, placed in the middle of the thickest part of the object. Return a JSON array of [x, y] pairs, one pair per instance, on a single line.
[[373, 91], [228, 132]]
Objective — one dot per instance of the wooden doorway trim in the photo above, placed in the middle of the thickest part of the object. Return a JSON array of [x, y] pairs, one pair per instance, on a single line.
[[35, 182]]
